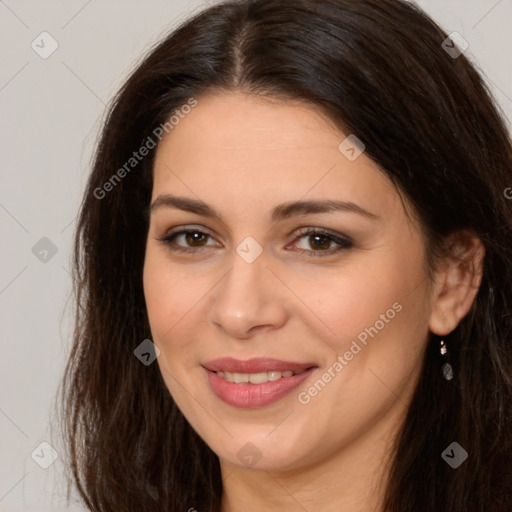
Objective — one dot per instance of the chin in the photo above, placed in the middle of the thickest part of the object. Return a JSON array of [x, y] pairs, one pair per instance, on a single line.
[[259, 451]]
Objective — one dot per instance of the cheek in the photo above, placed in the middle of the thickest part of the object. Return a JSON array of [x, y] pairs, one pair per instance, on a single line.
[[169, 297], [374, 315], [375, 342], [158, 295], [374, 296], [175, 296]]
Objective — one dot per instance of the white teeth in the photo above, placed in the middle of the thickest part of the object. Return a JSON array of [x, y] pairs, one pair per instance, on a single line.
[[256, 378], [240, 377]]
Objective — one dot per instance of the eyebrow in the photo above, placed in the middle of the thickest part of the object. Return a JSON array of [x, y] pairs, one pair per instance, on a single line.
[[279, 213]]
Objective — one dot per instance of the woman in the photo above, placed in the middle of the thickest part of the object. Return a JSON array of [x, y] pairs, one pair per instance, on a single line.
[[293, 271]]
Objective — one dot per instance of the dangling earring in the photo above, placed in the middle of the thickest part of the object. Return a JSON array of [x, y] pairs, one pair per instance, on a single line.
[[447, 367]]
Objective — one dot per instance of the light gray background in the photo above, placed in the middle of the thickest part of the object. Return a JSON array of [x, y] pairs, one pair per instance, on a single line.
[[51, 113]]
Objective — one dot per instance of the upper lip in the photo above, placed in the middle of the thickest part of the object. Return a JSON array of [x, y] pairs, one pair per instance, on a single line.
[[255, 365]]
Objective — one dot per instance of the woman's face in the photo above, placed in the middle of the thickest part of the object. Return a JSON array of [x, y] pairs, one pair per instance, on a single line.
[[253, 285]]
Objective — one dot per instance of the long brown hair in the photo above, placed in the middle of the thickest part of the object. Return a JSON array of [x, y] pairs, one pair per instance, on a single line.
[[379, 69]]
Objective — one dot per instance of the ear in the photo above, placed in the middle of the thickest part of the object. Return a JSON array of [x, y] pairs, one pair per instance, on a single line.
[[456, 282]]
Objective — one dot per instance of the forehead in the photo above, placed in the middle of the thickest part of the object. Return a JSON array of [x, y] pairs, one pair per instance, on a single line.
[[236, 147], [254, 123]]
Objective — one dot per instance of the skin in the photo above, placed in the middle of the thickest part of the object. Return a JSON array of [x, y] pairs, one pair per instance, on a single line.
[[243, 155]]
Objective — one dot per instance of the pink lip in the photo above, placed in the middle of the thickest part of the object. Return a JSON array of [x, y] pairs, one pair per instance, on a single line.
[[255, 365], [255, 395]]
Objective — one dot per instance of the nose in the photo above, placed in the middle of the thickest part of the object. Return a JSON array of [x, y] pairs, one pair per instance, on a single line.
[[249, 299]]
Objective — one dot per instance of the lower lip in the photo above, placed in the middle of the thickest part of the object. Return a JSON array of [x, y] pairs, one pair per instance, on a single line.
[[255, 395]]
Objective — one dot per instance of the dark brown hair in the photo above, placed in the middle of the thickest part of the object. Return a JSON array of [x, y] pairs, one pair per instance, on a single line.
[[378, 69]]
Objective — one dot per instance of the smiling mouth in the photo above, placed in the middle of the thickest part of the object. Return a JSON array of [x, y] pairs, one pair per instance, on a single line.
[[257, 389], [255, 382]]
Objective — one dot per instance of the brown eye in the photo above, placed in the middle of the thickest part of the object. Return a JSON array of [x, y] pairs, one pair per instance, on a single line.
[[193, 240], [321, 240], [193, 237]]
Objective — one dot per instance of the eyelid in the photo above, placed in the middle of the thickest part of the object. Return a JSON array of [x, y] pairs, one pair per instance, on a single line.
[[302, 231]]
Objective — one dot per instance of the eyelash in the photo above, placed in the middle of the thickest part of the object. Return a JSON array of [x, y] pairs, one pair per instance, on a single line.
[[343, 242]]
